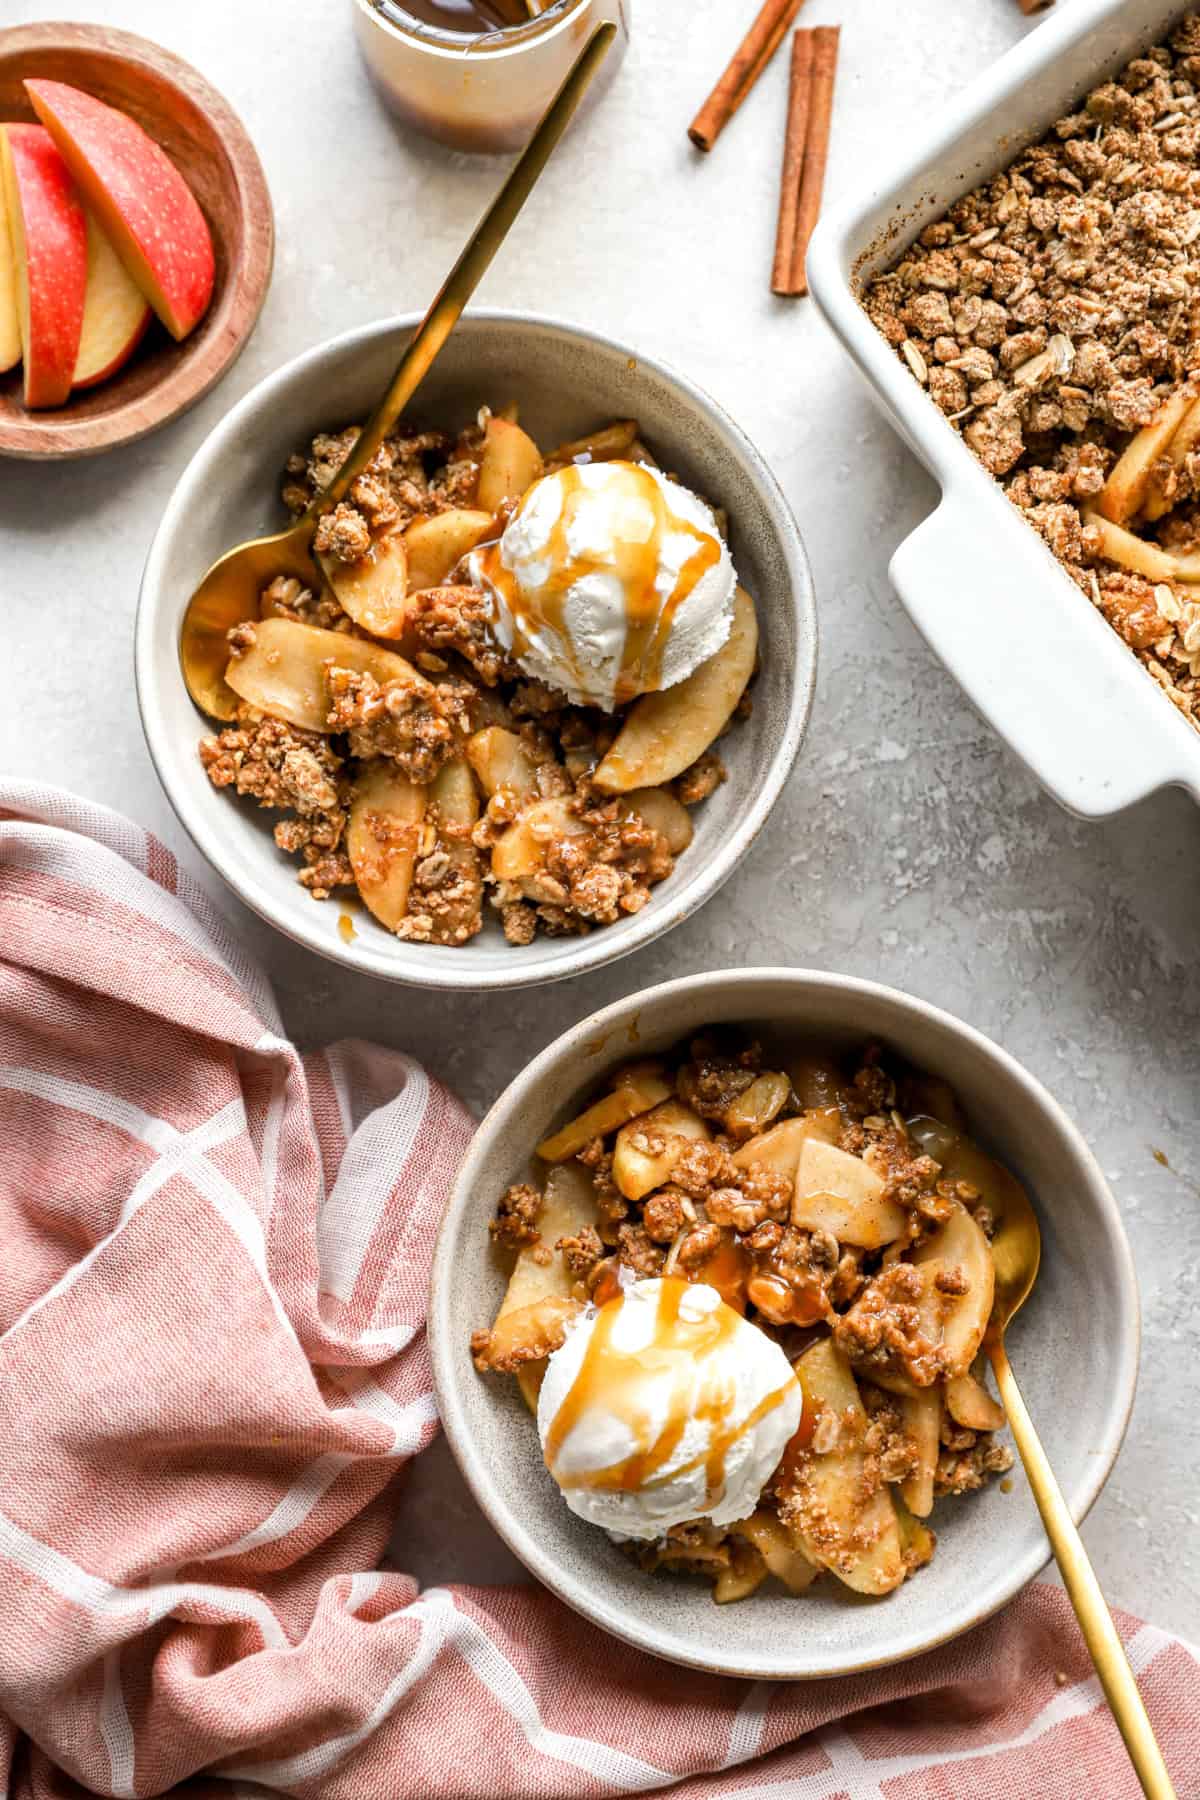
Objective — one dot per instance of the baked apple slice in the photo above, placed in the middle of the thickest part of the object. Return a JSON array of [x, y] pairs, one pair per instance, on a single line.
[[1122, 494], [374, 590], [538, 1302], [664, 733], [784, 1559], [1129, 551], [436, 546], [283, 671], [636, 1088], [1183, 443], [917, 1542], [511, 463], [781, 1147], [922, 1415], [741, 1576], [842, 1194], [659, 809], [453, 810], [816, 1082], [383, 838], [519, 854], [844, 1524], [612, 443], [637, 1172], [754, 1109], [500, 760], [958, 1251], [971, 1406]]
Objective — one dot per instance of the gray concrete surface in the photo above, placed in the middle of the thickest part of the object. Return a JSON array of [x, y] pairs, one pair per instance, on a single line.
[[910, 845]]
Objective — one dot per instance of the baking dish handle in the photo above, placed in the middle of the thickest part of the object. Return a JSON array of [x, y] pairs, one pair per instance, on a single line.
[[1037, 659]]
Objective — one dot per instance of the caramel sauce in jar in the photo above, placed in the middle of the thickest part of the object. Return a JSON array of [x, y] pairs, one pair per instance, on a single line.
[[689, 1352], [479, 74], [460, 15], [633, 557]]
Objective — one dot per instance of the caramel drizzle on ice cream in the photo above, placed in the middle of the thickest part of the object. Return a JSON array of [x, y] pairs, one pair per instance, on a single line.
[[634, 560], [690, 1353]]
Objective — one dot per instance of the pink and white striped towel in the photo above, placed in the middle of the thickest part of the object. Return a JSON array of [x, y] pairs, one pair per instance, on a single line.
[[213, 1258]]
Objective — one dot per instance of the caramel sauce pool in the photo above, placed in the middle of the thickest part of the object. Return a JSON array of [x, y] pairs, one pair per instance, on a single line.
[[728, 1269], [635, 561], [689, 1352]]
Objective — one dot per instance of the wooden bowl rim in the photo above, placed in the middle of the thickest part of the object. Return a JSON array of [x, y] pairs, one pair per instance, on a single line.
[[45, 437]]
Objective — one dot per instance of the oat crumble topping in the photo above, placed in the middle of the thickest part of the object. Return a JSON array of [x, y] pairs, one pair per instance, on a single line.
[[1053, 312]]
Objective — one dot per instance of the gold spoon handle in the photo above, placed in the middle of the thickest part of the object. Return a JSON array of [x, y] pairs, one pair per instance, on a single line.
[[1079, 1578], [469, 270]]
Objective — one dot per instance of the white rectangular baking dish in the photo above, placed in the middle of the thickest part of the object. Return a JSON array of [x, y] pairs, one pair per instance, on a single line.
[[1028, 648]]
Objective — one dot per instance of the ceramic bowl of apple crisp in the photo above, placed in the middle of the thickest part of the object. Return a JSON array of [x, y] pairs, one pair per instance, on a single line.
[[707, 1313], [551, 674]]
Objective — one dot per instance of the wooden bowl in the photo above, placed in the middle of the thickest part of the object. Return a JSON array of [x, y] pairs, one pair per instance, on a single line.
[[208, 144]]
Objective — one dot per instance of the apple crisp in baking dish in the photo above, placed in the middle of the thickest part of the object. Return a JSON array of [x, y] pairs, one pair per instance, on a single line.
[[746, 1306], [507, 688], [1053, 316]]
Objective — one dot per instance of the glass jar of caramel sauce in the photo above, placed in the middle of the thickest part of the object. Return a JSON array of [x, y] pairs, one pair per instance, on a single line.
[[478, 74]]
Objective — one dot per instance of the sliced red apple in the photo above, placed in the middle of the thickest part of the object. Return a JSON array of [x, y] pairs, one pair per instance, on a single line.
[[49, 239], [10, 318], [115, 313], [138, 195]]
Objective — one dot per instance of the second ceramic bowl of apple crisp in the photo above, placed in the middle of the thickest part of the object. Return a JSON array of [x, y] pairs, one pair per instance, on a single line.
[[1074, 1345], [566, 382]]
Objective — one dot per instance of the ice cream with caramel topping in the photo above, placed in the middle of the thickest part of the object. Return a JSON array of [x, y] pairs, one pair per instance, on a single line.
[[664, 1406], [610, 581]]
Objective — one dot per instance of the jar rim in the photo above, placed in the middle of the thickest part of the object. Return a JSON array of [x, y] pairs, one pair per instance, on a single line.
[[440, 38]]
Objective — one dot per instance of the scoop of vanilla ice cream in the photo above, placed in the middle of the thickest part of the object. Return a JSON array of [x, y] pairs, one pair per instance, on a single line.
[[609, 581], [664, 1406]]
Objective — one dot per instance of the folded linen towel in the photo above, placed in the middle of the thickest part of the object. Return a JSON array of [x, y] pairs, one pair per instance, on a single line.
[[213, 1263]]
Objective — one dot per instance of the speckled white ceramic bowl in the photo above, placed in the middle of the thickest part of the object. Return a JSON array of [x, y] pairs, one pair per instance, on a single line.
[[1074, 1346], [566, 381]]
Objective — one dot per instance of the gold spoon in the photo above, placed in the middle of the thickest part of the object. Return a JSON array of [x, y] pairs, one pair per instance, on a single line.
[[229, 593], [1017, 1252]]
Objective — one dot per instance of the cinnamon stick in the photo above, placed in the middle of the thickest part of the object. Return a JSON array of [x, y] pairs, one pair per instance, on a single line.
[[795, 137], [817, 124], [750, 59], [1029, 7]]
